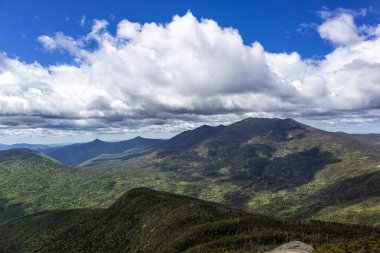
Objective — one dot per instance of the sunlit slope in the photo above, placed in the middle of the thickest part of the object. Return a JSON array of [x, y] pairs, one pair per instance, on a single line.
[[26, 177], [31, 182]]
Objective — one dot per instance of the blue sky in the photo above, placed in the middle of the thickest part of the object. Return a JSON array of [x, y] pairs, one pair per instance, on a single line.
[[45, 41], [273, 23]]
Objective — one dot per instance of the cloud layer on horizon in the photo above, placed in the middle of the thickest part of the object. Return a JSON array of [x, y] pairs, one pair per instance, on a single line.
[[165, 77]]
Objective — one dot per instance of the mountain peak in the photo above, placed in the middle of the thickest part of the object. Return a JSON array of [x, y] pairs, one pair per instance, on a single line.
[[274, 127], [268, 120], [273, 123]]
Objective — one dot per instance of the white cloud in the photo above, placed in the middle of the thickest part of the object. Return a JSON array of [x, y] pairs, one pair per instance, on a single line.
[[64, 43], [98, 27], [48, 42], [326, 13], [82, 20], [187, 70], [341, 30], [127, 29]]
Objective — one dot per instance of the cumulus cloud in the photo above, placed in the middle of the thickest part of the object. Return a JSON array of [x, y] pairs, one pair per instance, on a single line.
[[188, 70], [340, 30]]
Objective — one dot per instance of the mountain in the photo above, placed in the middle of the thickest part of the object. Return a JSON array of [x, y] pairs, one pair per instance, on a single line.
[[25, 174], [266, 166], [32, 182], [275, 167], [24, 145], [144, 220], [76, 154]]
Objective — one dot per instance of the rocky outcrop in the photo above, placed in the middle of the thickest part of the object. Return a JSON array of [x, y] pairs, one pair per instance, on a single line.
[[293, 247]]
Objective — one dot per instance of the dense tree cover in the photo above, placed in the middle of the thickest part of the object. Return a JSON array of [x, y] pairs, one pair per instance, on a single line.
[[143, 220]]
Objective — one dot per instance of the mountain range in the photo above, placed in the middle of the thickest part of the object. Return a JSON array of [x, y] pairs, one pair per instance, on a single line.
[[266, 166], [273, 167], [76, 154], [23, 145]]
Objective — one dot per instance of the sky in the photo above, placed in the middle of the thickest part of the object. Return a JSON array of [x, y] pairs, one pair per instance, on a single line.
[[73, 71]]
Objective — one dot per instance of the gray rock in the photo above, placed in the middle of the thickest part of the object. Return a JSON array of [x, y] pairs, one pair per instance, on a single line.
[[293, 247]]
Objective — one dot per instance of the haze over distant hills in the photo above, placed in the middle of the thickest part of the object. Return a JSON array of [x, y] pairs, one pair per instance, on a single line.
[[23, 145], [37, 147], [76, 154]]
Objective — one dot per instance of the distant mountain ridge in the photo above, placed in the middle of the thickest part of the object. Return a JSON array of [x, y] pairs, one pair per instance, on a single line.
[[76, 154], [372, 139], [23, 145]]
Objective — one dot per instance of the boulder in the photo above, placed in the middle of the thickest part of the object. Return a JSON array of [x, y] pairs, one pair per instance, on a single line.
[[293, 247]]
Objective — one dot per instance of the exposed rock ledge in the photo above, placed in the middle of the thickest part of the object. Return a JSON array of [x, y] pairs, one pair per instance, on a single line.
[[293, 247]]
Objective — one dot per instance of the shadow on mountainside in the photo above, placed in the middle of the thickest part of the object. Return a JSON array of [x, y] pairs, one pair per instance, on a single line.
[[280, 173], [295, 169], [349, 191], [9, 210]]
